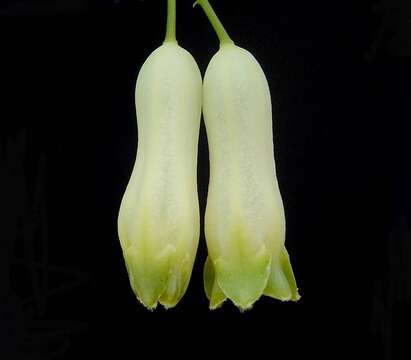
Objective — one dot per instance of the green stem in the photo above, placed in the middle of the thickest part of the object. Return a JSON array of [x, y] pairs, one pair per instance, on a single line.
[[171, 21], [215, 22]]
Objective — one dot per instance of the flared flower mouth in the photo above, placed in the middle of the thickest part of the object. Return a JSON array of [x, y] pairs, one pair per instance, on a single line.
[[244, 281]]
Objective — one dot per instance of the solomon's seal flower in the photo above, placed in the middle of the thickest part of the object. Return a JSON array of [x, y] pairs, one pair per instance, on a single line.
[[244, 220], [158, 222]]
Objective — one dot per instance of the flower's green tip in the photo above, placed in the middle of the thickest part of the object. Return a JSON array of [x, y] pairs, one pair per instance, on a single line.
[[241, 279], [158, 279], [244, 281], [281, 283], [213, 291]]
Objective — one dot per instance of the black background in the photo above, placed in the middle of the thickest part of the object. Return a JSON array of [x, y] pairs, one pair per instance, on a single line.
[[340, 77]]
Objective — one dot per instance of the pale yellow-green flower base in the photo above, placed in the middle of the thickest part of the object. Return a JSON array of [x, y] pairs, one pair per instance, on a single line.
[[245, 280]]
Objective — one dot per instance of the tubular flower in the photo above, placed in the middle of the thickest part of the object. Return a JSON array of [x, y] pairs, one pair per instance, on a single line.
[[158, 222], [244, 220]]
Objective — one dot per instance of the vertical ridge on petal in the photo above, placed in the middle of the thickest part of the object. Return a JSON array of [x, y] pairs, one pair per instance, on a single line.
[[213, 291], [177, 282], [281, 283]]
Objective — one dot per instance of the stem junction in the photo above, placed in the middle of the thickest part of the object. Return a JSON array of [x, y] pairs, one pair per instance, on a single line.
[[215, 22], [171, 22]]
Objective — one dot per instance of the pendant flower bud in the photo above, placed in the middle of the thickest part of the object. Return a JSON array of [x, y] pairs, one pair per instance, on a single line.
[[158, 222], [244, 220]]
